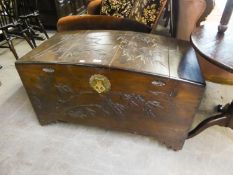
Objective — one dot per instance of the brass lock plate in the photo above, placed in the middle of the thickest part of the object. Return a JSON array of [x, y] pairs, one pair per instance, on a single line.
[[100, 83]]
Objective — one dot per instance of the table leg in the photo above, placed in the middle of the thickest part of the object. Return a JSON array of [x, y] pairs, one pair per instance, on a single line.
[[226, 16], [225, 119]]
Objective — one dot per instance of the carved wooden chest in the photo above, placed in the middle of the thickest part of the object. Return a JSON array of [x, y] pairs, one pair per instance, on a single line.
[[127, 81]]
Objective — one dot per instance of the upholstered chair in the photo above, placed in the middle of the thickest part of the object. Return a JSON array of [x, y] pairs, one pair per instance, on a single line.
[[190, 14], [138, 18]]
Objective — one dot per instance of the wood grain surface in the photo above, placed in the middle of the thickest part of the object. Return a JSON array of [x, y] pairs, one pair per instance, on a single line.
[[117, 49], [215, 47], [215, 52], [148, 95]]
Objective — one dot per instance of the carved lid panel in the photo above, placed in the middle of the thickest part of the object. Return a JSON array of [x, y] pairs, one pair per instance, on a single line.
[[126, 50]]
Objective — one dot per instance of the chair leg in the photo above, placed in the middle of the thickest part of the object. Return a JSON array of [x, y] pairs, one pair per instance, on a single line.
[[30, 35], [12, 48], [41, 27], [28, 40], [25, 36], [29, 32], [10, 44]]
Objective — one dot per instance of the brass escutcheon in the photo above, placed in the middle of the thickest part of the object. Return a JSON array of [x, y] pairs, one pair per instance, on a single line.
[[100, 83]]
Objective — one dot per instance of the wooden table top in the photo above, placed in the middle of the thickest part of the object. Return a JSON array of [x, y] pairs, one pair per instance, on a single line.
[[126, 50], [215, 47]]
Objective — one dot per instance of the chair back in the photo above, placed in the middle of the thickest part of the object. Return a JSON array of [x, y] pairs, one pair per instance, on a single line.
[[10, 7], [26, 7], [7, 12], [78, 6]]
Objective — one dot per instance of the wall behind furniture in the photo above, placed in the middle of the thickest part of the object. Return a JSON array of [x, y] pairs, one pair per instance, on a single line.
[[52, 10]]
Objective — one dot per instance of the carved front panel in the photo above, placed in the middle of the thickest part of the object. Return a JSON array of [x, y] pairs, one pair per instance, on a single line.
[[145, 104], [75, 97]]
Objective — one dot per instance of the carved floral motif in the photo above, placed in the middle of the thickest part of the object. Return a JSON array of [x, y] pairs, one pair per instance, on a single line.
[[109, 105], [141, 50]]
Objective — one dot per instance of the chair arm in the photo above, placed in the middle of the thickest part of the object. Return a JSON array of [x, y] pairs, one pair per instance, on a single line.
[[190, 14], [94, 7], [99, 22]]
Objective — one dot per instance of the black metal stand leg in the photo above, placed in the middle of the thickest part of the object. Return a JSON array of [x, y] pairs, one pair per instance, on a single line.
[[224, 119], [226, 16]]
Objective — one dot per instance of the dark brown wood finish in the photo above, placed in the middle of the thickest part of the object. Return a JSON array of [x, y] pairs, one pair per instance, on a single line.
[[215, 47], [148, 93], [215, 53], [225, 119]]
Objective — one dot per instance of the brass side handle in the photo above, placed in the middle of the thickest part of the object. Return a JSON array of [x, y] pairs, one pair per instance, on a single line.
[[158, 83], [48, 70]]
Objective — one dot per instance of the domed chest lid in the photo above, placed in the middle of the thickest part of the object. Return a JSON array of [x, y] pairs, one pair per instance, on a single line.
[[125, 50]]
